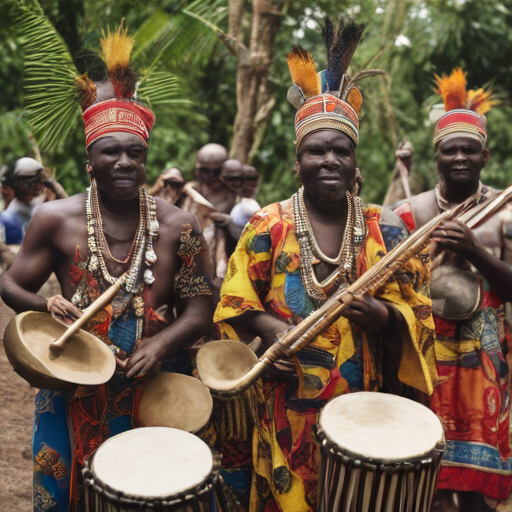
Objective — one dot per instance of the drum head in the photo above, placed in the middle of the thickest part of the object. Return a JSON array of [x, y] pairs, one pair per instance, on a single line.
[[380, 427], [222, 363], [86, 360], [152, 462], [176, 401]]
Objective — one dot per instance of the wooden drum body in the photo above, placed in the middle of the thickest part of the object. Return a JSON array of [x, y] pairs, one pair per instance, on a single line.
[[151, 469], [380, 453]]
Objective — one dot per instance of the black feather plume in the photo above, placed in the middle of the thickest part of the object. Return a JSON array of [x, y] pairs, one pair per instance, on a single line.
[[351, 36], [328, 33], [341, 50]]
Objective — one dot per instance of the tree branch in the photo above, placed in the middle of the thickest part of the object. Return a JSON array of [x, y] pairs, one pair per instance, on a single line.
[[231, 43], [236, 12]]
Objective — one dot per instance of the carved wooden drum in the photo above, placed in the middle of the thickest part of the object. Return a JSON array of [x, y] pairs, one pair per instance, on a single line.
[[380, 453], [151, 469]]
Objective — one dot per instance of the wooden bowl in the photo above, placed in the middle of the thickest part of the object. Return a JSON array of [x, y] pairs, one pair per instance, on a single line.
[[85, 361]]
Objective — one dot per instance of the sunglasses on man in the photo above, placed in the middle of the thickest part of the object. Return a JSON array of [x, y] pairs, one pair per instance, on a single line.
[[174, 184]]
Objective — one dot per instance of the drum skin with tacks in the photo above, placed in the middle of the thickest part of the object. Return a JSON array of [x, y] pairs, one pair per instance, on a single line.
[[379, 452], [155, 469]]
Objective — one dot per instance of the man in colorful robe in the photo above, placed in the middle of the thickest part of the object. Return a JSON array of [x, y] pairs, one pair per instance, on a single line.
[[472, 396], [291, 257]]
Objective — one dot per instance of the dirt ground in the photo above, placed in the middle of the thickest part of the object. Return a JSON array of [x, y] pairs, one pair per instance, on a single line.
[[17, 410], [16, 417]]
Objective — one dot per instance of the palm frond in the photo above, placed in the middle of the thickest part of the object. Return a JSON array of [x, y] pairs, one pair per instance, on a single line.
[[51, 103], [150, 32], [160, 88], [181, 38]]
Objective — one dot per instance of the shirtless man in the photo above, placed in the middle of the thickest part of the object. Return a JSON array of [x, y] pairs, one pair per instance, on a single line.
[[139, 327], [472, 395]]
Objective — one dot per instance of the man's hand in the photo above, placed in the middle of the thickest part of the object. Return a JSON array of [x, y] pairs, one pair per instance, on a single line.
[[62, 310], [146, 359], [368, 313], [457, 237], [283, 370], [222, 220]]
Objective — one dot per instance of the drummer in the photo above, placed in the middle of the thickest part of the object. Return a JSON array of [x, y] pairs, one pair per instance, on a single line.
[[292, 256], [89, 240], [472, 398]]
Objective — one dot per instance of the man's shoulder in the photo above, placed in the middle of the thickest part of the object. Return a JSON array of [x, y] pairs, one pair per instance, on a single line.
[[417, 210], [391, 226], [417, 201], [274, 214], [171, 216], [62, 208]]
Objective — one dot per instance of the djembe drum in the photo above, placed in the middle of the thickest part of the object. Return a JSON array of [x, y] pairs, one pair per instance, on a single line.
[[155, 469], [380, 453]]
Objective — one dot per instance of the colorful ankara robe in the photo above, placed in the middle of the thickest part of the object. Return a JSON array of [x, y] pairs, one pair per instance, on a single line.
[[264, 275], [472, 396], [69, 426]]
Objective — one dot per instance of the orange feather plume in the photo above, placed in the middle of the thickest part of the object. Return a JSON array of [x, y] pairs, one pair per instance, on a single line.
[[86, 90], [481, 101], [303, 71], [355, 99], [452, 89]]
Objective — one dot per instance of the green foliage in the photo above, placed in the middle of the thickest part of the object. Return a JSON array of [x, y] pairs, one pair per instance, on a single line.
[[410, 39], [50, 75]]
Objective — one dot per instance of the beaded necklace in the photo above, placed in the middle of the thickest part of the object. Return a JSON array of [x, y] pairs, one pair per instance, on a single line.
[[353, 237], [142, 250]]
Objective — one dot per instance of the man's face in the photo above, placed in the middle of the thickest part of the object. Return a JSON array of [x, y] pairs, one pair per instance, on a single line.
[[7, 193], [251, 180], [118, 162], [460, 160], [232, 174], [29, 187], [173, 189], [209, 167], [327, 166]]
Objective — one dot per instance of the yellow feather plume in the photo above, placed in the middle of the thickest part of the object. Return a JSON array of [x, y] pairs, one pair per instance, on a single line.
[[481, 100], [452, 89], [117, 47], [303, 72]]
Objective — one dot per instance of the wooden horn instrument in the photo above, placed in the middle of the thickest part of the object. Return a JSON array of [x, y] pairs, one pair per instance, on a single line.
[[299, 337], [98, 305], [317, 322]]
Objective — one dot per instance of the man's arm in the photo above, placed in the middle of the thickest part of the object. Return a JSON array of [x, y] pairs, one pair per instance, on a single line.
[[457, 237], [33, 264]]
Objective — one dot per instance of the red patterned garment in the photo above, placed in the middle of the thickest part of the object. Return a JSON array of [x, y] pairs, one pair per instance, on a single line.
[[472, 395]]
